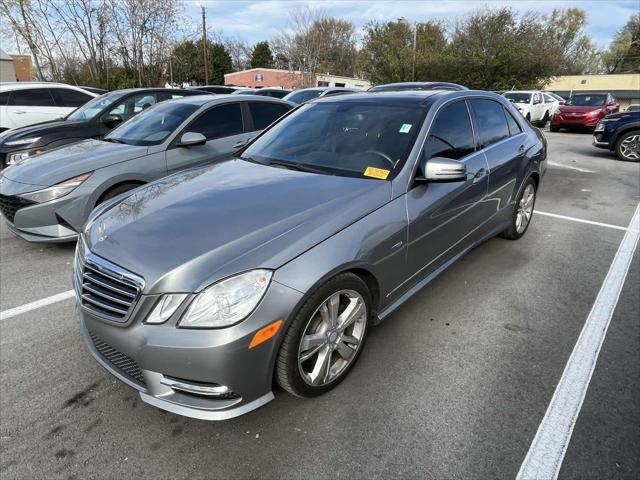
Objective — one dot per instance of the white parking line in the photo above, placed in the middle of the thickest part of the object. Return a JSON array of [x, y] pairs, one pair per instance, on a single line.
[[12, 312], [581, 220], [569, 167], [545, 455]]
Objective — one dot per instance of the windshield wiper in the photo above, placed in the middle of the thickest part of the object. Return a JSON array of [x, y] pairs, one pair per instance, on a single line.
[[114, 140], [249, 159], [298, 166]]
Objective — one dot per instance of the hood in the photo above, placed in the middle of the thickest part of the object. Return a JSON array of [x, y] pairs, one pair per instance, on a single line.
[[193, 228], [627, 116], [36, 130], [69, 161], [578, 109]]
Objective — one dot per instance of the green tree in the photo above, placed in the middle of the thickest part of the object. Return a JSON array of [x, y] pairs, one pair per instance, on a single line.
[[261, 56], [623, 55], [188, 62]]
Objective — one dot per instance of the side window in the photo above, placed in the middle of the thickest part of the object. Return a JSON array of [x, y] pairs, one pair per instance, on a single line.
[[221, 121], [67, 97], [451, 135], [265, 113], [491, 121], [32, 97], [4, 98], [132, 105], [514, 127]]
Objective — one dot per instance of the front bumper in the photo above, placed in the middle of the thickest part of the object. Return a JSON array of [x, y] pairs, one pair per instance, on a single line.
[[564, 120], [142, 355]]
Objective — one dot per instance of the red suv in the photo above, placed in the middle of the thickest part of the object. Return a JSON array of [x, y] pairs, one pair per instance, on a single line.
[[584, 110]]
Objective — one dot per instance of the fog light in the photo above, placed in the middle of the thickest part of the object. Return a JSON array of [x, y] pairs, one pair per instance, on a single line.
[[197, 388]]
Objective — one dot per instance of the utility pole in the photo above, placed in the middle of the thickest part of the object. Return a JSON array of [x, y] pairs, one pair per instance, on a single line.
[[413, 66], [204, 44]]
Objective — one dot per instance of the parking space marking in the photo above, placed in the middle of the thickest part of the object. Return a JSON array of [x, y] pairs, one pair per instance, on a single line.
[[549, 446], [12, 312], [569, 167], [581, 220]]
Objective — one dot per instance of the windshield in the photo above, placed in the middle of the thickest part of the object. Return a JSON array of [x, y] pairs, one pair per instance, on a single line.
[[93, 107], [587, 100], [152, 126], [341, 138], [518, 97], [302, 96]]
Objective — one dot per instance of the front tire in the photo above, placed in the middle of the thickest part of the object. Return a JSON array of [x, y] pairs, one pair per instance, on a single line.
[[628, 146], [522, 211], [326, 337], [543, 123], [554, 128]]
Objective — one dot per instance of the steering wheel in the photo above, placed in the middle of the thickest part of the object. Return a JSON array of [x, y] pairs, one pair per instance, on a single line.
[[384, 156]]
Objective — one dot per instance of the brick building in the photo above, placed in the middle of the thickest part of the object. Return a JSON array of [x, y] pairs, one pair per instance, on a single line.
[[264, 77]]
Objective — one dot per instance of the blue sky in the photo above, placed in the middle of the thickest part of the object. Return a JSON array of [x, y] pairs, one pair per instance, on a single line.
[[253, 21]]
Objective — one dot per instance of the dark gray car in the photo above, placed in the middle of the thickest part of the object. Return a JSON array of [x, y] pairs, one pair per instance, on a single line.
[[49, 197], [199, 289]]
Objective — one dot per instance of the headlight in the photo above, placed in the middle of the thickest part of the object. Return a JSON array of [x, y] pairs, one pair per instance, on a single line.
[[165, 307], [599, 127], [16, 157], [22, 141], [595, 112], [57, 191], [227, 302]]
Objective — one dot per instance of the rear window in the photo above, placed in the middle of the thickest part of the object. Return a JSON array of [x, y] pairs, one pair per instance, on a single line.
[[265, 113], [31, 97]]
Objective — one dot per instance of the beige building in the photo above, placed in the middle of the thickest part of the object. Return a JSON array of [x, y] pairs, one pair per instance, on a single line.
[[7, 72], [624, 86]]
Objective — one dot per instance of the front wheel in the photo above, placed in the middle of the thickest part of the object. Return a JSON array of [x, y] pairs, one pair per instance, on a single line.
[[522, 212], [543, 122], [628, 146], [554, 128], [325, 338]]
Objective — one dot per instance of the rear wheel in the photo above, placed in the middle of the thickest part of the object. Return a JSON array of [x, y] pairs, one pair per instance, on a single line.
[[628, 146], [522, 212], [325, 338]]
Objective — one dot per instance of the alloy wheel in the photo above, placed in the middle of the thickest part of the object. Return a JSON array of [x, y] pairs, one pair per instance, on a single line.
[[332, 337], [630, 147], [525, 208]]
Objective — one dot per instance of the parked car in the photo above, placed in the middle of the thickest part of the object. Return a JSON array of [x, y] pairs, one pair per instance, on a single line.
[[92, 120], [633, 108], [554, 98], [216, 89], [620, 133], [584, 110], [199, 289], [26, 103], [398, 87], [48, 198], [306, 94], [263, 92], [535, 106]]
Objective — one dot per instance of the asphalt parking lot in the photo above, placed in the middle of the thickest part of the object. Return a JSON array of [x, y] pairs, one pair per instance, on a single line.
[[453, 385]]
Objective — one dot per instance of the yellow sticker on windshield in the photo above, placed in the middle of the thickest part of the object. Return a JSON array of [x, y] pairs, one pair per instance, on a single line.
[[374, 172]]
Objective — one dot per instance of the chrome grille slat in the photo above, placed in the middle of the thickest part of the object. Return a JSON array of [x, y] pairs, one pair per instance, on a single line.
[[103, 288], [119, 360]]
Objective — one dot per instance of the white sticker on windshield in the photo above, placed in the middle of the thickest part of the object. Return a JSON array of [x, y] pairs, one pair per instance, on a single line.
[[405, 128]]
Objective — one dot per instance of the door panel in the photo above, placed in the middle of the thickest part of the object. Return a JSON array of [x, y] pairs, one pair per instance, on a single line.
[[33, 105]]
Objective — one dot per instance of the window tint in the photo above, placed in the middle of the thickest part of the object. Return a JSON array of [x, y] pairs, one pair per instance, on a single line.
[[32, 97], [451, 135], [133, 105], [222, 121], [4, 97], [514, 127], [67, 97], [491, 122], [265, 113]]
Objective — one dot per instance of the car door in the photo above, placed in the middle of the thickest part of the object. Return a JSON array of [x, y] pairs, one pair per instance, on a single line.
[[503, 150], [27, 106], [443, 216], [223, 127]]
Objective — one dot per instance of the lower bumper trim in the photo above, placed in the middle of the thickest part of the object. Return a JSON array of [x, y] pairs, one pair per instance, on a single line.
[[206, 414]]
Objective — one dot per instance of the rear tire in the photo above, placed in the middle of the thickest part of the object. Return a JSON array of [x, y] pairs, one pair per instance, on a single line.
[[329, 348], [628, 146], [522, 211]]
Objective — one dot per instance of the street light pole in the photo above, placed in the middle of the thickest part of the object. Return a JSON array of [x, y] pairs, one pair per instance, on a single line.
[[204, 44], [413, 65]]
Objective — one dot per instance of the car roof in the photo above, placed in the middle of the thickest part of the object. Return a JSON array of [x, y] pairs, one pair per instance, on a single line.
[[7, 86], [158, 89], [417, 86], [522, 91], [407, 97], [201, 100]]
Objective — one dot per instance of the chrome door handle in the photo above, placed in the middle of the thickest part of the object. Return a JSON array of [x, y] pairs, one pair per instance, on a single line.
[[521, 149]]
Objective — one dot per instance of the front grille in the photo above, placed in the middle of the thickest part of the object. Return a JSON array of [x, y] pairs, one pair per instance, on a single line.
[[9, 205], [124, 364], [104, 288]]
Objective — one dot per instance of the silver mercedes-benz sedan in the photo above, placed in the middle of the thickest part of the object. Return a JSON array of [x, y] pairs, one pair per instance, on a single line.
[[202, 289], [49, 197]]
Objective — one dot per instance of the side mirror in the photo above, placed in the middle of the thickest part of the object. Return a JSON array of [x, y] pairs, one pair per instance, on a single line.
[[111, 120], [191, 139], [440, 169]]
